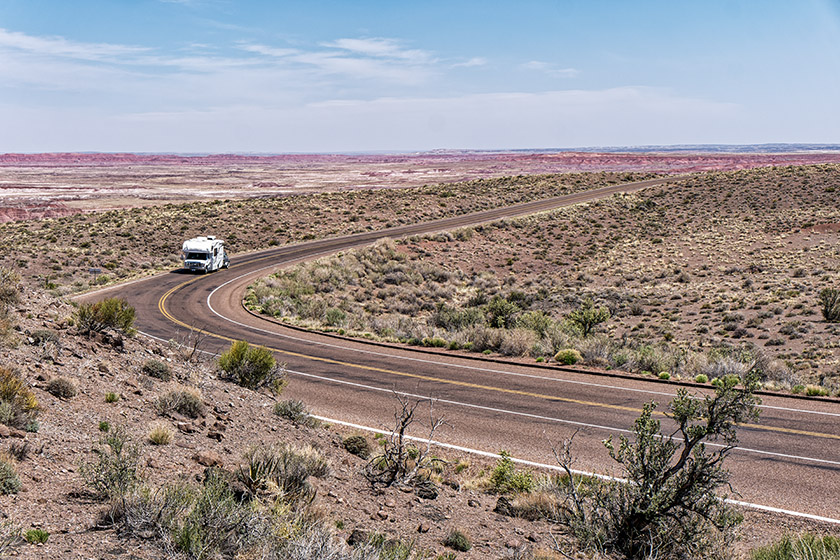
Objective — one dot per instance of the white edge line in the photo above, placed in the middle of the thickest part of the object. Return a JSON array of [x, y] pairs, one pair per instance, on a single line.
[[533, 416], [574, 471], [750, 505], [461, 366]]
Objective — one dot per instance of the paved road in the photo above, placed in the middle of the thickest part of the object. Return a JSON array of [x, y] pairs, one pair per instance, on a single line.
[[790, 460]]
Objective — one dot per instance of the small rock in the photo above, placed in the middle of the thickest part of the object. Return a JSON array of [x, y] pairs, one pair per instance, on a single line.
[[103, 367], [513, 543], [213, 434], [423, 528], [473, 503], [185, 427], [427, 491], [382, 514], [208, 459], [5, 431], [14, 432], [533, 537], [390, 503], [357, 537], [504, 507]]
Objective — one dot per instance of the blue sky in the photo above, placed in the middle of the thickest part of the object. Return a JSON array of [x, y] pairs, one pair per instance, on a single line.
[[316, 76]]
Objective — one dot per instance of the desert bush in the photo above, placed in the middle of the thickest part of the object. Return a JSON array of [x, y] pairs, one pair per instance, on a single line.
[[62, 388], [453, 319], [36, 536], [111, 314], [668, 507], [116, 470], [282, 471], [186, 402], [112, 397], [517, 342], [9, 289], [500, 312], [401, 463], [505, 478], [295, 411], [357, 445], [9, 536], [829, 300], [18, 405], [457, 540], [536, 321], [803, 547], [252, 367], [9, 479], [587, 317], [160, 434], [569, 357], [157, 369]]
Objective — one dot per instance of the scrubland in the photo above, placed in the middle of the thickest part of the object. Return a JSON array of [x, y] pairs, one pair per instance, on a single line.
[[714, 275]]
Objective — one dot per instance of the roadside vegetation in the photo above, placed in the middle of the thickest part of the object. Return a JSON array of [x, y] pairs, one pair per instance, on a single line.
[[718, 275], [75, 253]]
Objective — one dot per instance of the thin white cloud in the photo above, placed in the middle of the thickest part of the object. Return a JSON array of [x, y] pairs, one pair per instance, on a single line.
[[381, 48], [475, 61], [267, 51], [59, 46], [551, 69]]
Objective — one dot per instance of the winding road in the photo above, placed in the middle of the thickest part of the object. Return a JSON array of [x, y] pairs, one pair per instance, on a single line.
[[790, 460]]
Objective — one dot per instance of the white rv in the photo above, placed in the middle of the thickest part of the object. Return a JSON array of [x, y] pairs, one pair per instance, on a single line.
[[204, 254]]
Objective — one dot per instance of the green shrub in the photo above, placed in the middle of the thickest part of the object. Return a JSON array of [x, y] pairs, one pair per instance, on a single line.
[[185, 402], [568, 356], [587, 317], [282, 470], [252, 367], [335, 317], [160, 434], [803, 547], [18, 405], [112, 314], [829, 300], [664, 375], [505, 478], [116, 469], [797, 389], [816, 391], [104, 426], [667, 504], [158, 369], [112, 397], [702, 378], [457, 540], [62, 388], [36, 536], [357, 445], [295, 411], [9, 480], [9, 289]]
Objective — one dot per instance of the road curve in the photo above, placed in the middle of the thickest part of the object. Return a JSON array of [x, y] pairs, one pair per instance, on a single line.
[[790, 460]]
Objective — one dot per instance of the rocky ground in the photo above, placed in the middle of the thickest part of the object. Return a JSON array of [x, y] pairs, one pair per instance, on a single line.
[[55, 498]]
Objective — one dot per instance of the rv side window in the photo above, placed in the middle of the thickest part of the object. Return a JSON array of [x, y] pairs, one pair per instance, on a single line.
[[215, 252]]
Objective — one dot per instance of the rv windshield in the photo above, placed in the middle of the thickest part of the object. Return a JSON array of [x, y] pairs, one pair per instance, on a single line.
[[196, 256]]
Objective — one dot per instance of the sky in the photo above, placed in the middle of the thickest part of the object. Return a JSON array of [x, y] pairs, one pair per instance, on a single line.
[[281, 76]]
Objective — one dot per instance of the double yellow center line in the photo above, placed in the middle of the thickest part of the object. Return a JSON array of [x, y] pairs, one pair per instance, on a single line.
[[165, 312]]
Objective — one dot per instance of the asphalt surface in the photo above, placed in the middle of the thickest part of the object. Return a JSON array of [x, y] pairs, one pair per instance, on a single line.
[[789, 460]]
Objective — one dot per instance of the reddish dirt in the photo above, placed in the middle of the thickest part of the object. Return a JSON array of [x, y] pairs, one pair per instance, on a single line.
[[51, 185]]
